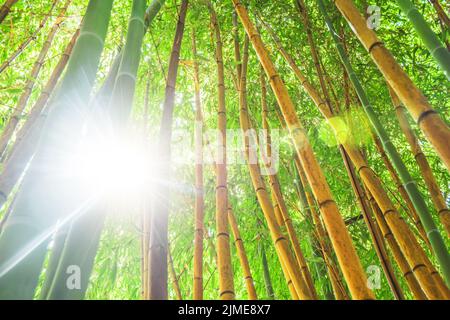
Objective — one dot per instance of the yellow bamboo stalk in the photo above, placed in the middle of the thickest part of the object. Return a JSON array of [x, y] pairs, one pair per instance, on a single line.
[[12, 123], [223, 238], [401, 189], [434, 128], [412, 250], [335, 277], [249, 283], [403, 265], [280, 242], [199, 201], [424, 166], [340, 238], [278, 200]]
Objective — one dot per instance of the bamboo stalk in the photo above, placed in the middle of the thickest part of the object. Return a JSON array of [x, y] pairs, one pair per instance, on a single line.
[[28, 135], [435, 129], [59, 240], [402, 263], [335, 277], [14, 119], [443, 17], [249, 283], [424, 166], [348, 259], [266, 273], [399, 227], [199, 190], [124, 87], [158, 236], [374, 232], [412, 212], [82, 240], [432, 232], [280, 242], [429, 38], [173, 275], [28, 40], [42, 189], [226, 285], [6, 7], [278, 200]]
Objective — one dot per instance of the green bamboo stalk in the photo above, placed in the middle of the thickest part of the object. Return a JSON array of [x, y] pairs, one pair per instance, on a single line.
[[152, 11], [429, 38], [84, 234], [23, 242], [123, 92], [436, 240], [28, 135], [58, 246], [79, 250], [15, 117]]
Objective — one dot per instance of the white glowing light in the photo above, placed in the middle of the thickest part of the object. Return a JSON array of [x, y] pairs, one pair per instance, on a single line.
[[114, 167]]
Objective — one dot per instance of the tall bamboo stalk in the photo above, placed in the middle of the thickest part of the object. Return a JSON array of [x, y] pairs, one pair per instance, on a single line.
[[402, 263], [411, 210], [399, 227], [430, 181], [280, 242], [434, 236], [278, 200], [6, 7], [374, 232], [429, 38], [28, 135], [124, 87], [29, 85], [379, 247], [333, 272], [226, 285], [42, 189], [249, 283], [158, 236], [199, 190], [82, 240], [28, 40], [435, 129], [348, 259]]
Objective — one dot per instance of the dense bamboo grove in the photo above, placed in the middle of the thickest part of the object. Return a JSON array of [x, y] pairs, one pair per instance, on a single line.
[[235, 149]]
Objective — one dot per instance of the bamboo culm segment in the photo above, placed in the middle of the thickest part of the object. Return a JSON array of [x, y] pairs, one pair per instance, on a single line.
[[433, 188], [342, 243], [433, 234], [226, 285], [429, 38], [199, 189], [159, 223], [435, 129], [292, 272], [42, 189]]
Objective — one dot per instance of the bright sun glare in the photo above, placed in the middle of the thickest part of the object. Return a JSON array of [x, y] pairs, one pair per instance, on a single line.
[[117, 168]]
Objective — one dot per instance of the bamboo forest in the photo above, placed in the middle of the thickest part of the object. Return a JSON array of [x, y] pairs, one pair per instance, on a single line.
[[224, 150]]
